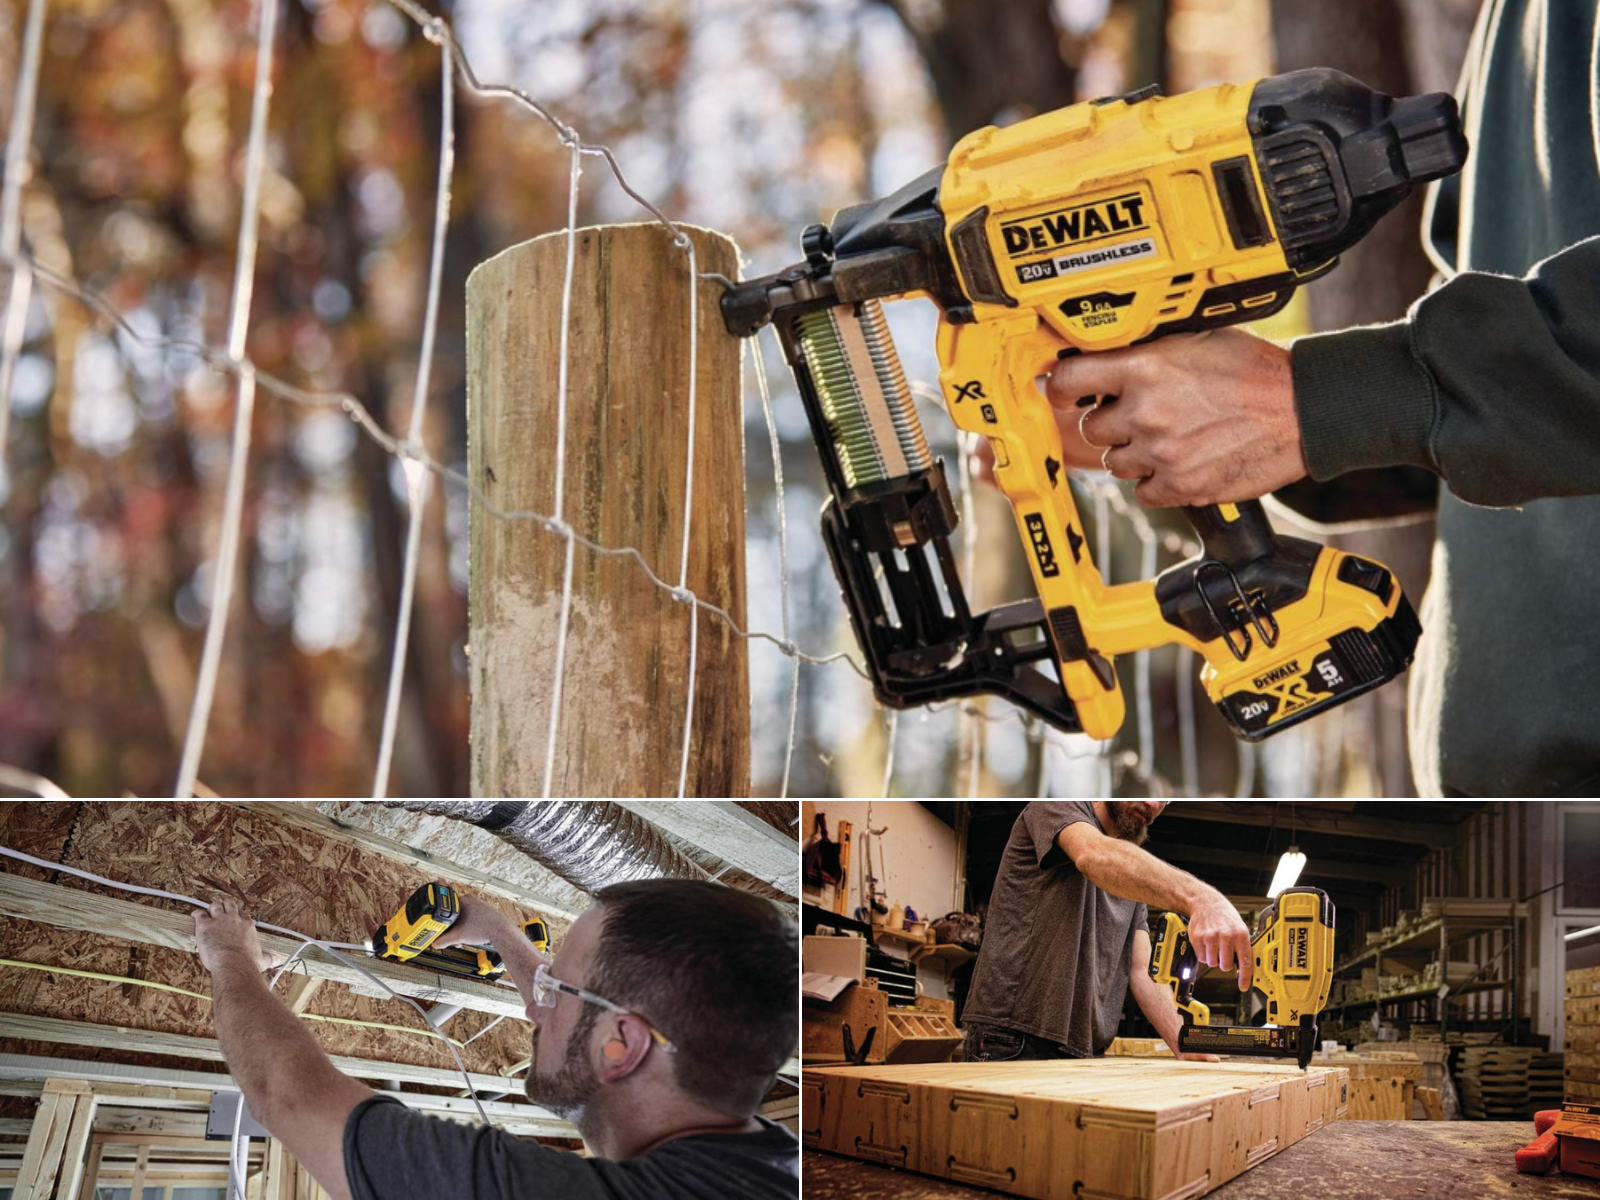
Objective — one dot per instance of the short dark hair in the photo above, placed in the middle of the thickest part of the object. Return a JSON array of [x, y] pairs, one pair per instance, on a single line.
[[715, 969]]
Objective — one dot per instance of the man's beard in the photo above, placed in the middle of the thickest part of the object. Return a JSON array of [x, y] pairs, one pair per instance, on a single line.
[[569, 1090], [1131, 821]]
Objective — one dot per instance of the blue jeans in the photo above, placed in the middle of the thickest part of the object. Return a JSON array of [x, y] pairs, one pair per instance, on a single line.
[[995, 1043]]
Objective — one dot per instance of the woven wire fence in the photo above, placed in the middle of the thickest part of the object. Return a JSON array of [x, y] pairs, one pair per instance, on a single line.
[[1064, 764]]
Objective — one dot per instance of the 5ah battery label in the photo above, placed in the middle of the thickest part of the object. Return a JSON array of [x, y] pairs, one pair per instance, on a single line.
[[1086, 260]]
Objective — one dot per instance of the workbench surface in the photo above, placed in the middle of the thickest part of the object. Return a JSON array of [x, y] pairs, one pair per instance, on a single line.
[[1348, 1160]]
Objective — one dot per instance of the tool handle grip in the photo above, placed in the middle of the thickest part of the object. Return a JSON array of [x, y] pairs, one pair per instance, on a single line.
[[1234, 534]]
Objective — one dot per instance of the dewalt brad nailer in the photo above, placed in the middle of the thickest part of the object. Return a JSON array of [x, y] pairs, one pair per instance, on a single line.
[[1293, 953], [408, 936], [1091, 228]]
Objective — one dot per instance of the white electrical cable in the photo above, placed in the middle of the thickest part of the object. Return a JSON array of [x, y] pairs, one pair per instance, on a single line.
[[331, 947]]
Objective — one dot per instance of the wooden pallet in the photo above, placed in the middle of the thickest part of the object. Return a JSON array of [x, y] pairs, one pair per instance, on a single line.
[[1077, 1129]]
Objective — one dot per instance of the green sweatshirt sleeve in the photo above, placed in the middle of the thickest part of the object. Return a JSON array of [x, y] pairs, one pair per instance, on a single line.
[[1492, 383]]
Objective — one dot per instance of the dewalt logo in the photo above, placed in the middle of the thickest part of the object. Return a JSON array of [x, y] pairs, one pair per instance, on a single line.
[[1079, 223], [1299, 949], [1277, 674], [1042, 549]]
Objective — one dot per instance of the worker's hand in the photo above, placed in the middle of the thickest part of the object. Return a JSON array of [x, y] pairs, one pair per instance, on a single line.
[[1198, 419], [227, 931], [478, 924], [1192, 1057], [1219, 937]]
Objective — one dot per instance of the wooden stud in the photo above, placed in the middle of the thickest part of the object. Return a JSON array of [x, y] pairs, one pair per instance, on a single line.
[[739, 838], [626, 680], [78, 1143], [140, 1166], [41, 1159], [299, 993], [73, 908], [91, 1174]]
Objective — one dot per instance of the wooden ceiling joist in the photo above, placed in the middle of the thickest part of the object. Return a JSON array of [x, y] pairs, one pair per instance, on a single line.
[[737, 837], [514, 1118], [151, 1041], [73, 908]]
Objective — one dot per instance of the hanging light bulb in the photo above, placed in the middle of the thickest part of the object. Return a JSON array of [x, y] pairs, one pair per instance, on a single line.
[[1290, 865], [1289, 868]]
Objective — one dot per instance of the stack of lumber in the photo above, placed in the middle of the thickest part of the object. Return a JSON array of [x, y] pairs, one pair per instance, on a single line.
[[1432, 1055], [1494, 1082], [1118, 1128], [1582, 1066], [1471, 906], [1545, 1081], [1382, 1085]]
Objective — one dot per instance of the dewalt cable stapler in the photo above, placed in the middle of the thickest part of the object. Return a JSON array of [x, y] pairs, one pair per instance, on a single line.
[[408, 936], [1090, 228], [1293, 953]]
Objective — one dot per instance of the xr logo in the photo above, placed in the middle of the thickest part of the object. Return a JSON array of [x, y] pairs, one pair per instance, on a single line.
[[972, 390], [1293, 695]]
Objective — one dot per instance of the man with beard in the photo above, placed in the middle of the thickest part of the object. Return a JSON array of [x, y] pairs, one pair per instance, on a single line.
[[658, 1030], [1067, 933]]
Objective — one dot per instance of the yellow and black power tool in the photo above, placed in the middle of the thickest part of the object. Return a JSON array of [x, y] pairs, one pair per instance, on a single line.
[[408, 936], [1293, 946], [1092, 228]]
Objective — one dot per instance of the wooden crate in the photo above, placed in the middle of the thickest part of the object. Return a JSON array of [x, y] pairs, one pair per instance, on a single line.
[[915, 1035], [1075, 1129], [1583, 983], [1382, 1086], [822, 1023], [1583, 1010]]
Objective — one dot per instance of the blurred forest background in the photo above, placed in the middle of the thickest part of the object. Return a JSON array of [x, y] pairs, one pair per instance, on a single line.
[[753, 118]]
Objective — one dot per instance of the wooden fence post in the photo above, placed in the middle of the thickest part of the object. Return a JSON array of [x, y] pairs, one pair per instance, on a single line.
[[625, 683]]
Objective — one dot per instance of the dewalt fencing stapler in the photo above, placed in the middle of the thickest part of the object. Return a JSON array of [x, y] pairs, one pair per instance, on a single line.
[[408, 936], [1293, 960], [1090, 228]]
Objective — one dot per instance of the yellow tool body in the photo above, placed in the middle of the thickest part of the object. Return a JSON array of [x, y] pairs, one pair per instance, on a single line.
[[408, 936], [1086, 229], [1292, 953]]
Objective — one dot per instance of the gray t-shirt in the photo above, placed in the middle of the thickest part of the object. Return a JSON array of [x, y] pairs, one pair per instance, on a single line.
[[1056, 949], [392, 1152]]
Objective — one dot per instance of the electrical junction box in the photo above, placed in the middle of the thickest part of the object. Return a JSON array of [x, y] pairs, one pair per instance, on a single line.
[[219, 1121]]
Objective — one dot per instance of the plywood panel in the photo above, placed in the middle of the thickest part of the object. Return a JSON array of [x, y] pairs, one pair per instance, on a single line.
[[1085, 1129]]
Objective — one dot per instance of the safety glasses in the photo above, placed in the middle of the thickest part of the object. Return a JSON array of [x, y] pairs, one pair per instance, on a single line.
[[547, 989]]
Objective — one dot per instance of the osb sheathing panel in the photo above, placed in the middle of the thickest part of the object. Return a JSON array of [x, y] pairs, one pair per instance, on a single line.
[[292, 878], [461, 842]]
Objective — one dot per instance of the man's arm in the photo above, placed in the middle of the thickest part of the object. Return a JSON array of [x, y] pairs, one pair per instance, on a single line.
[[1156, 1001], [1491, 383], [1216, 930], [290, 1085], [481, 924]]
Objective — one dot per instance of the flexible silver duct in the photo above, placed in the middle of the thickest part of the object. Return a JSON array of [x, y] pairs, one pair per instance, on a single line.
[[589, 843]]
